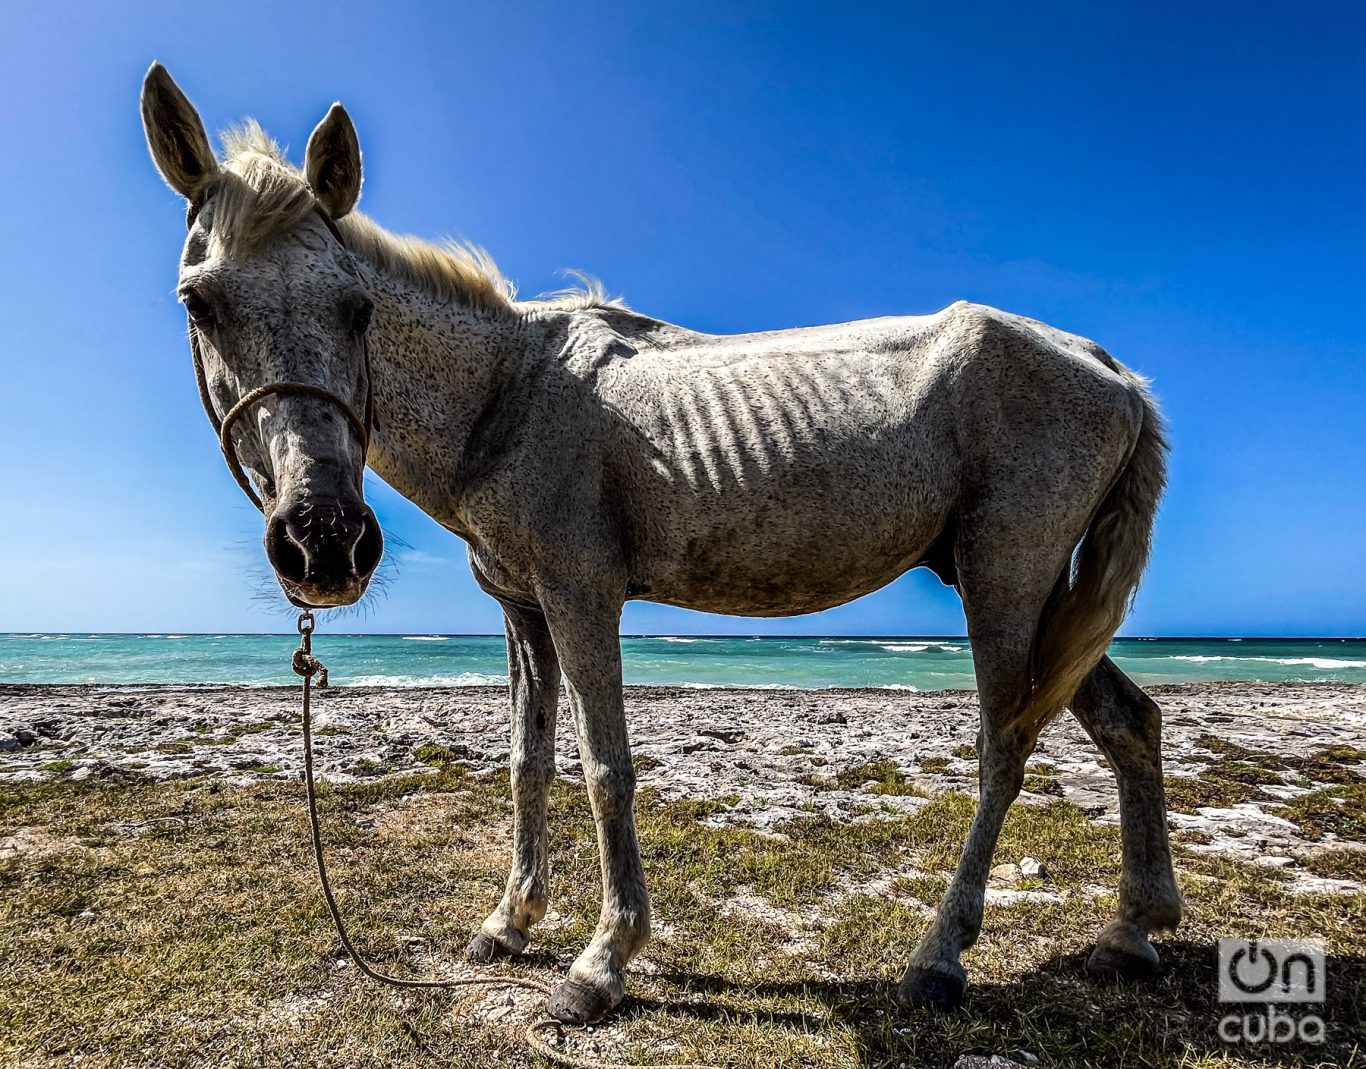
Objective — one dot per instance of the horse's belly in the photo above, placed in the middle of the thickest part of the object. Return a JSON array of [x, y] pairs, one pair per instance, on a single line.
[[759, 598], [746, 574]]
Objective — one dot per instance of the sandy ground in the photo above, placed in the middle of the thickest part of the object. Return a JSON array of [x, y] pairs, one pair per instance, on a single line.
[[773, 755]]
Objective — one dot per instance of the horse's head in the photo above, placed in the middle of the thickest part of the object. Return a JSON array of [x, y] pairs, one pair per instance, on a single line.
[[273, 297]]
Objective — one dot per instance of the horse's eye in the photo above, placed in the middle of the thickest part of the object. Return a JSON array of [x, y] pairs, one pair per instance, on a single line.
[[360, 319], [200, 311]]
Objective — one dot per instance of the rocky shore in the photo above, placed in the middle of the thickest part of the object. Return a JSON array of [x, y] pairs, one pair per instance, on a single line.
[[770, 755]]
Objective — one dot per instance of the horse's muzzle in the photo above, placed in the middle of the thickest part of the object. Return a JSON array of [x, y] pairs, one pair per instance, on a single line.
[[324, 550]]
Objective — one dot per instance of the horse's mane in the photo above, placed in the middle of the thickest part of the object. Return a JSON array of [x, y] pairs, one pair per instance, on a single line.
[[259, 194]]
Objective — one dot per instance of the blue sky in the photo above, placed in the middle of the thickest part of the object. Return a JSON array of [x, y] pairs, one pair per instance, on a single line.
[[1180, 182]]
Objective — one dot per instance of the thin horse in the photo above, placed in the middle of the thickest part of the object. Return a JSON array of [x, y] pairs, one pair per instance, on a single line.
[[588, 454]]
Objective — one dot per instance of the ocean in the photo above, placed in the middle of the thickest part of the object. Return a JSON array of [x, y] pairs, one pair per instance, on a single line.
[[678, 660]]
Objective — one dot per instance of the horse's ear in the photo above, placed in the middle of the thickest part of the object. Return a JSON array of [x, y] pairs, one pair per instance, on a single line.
[[175, 135], [332, 163]]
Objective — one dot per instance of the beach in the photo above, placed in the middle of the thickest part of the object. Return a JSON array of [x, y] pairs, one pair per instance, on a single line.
[[774, 755], [159, 904]]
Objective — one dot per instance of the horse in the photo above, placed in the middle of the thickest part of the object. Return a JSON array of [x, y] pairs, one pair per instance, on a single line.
[[589, 455]]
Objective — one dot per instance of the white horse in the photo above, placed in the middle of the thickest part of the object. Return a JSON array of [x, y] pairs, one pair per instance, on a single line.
[[589, 454]]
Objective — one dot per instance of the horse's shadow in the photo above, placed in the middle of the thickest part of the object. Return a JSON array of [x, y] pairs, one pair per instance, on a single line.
[[1055, 1011]]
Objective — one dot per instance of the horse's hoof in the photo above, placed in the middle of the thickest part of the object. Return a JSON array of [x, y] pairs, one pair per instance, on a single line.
[[1111, 963], [578, 1003], [929, 987], [484, 948]]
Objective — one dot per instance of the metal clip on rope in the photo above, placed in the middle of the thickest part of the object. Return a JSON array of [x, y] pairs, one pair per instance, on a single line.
[[307, 666]]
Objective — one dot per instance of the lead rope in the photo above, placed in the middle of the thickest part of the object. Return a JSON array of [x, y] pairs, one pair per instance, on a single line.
[[307, 666]]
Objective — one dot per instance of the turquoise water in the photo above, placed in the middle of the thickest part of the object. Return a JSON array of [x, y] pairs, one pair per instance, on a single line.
[[472, 660]]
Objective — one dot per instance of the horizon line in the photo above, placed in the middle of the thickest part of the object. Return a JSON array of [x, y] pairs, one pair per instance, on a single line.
[[668, 634]]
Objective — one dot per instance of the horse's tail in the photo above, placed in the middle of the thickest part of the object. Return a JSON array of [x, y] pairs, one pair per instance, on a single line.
[[1094, 594]]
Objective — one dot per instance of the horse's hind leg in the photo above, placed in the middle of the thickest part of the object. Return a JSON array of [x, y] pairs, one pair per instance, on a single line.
[[1127, 725], [1004, 589], [534, 674]]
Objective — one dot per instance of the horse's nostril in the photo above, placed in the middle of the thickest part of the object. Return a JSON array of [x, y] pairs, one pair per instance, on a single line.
[[323, 545], [369, 547], [286, 555]]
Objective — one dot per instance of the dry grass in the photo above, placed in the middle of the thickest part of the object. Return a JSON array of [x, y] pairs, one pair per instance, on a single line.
[[199, 939]]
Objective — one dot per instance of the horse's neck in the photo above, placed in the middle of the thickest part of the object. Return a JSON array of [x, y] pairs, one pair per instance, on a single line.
[[437, 368]]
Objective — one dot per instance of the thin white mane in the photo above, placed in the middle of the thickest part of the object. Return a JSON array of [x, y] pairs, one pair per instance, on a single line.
[[258, 194]]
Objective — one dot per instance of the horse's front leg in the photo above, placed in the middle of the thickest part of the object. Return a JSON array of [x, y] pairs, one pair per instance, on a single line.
[[534, 683], [585, 632]]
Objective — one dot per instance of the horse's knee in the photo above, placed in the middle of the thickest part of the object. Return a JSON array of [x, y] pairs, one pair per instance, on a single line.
[[532, 776], [611, 787]]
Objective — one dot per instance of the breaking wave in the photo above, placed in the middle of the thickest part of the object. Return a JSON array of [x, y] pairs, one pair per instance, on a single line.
[[464, 679], [1325, 663]]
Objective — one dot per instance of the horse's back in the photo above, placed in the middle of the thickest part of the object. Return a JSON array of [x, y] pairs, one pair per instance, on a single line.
[[835, 387]]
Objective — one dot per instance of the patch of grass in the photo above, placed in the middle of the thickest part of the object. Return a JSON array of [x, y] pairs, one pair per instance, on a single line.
[[927, 889], [1338, 810], [1186, 794], [1234, 751], [1043, 785], [1330, 764], [174, 747], [436, 755], [645, 762], [255, 728], [392, 789], [205, 943], [967, 752], [935, 765], [58, 767], [888, 779], [698, 809], [1341, 752], [1337, 864], [330, 729], [1043, 768], [1240, 771]]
